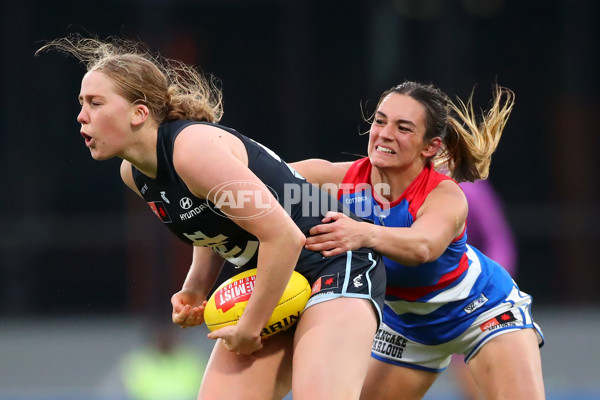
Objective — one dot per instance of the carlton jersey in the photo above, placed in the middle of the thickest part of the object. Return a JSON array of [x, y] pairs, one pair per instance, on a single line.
[[434, 302], [199, 222]]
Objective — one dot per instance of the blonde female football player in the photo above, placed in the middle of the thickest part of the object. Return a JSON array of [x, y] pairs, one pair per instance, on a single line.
[[223, 193]]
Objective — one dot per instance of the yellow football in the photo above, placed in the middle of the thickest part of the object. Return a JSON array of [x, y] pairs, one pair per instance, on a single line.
[[226, 305]]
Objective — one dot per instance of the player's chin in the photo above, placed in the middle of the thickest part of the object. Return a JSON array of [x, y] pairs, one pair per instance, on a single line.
[[379, 161], [99, 156]]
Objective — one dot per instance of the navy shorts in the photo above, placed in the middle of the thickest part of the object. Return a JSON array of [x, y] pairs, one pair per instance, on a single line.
[[357, 274]]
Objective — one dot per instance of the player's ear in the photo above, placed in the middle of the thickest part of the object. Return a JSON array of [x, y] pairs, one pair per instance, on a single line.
[[140, 114], [432, 147]]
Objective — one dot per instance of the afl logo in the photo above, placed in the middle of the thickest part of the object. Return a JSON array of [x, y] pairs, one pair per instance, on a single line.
[[185, 203], [248, 195]]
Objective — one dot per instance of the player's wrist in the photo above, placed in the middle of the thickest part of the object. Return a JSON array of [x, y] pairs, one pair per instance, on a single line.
[[369, 235], [250, 327], [194, 289]]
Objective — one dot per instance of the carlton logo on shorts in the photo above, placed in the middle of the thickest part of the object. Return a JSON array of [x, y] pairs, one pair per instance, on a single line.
[[500, 321]]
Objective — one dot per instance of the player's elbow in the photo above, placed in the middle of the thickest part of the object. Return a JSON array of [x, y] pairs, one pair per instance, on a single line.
[[293, 238], [300, 239]]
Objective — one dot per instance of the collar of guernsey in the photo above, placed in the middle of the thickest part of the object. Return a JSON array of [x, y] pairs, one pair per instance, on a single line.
[[405, 283]]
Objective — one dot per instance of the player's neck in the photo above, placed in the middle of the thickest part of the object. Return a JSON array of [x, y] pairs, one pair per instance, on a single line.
[[142, 151]]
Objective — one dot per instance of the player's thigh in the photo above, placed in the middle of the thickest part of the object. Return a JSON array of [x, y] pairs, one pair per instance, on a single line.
[[263, 375], [392, 382], [332, 349], [509, 367]]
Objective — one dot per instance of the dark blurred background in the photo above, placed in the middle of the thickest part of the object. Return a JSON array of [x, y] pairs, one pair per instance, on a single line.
[[84, 263], [297, 76]]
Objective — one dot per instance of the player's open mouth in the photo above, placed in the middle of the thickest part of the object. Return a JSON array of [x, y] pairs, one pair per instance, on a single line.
[[385, 150], [87, 138]]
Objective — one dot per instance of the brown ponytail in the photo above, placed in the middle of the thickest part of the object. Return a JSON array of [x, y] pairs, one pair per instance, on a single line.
[[469, 145]]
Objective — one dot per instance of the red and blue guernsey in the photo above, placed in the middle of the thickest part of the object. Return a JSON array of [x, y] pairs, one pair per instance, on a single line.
[[434, 302]]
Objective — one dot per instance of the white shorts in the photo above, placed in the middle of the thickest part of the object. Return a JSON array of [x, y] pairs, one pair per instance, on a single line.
[[511, 315]]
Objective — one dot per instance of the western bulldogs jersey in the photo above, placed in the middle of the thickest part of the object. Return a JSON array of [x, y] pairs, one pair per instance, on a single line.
[[436, 301], [199, 222]]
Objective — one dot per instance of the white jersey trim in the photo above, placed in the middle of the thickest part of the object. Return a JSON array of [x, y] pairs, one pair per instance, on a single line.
[[458, 292]]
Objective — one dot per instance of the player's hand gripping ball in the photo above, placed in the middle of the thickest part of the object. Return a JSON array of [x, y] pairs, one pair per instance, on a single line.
[[227, 303]]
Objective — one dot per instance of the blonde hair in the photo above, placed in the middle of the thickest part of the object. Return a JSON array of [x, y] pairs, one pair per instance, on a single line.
[[170, 89], [467, 144]]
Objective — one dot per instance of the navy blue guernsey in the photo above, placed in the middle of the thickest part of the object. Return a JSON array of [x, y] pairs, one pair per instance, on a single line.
[[199, 222]]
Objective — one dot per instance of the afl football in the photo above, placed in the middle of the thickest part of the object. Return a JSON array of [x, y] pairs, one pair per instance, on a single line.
[[226, 305]]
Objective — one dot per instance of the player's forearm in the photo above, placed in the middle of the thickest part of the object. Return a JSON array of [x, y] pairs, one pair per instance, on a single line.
[[204, 270], [403, 245], [276, 262]]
